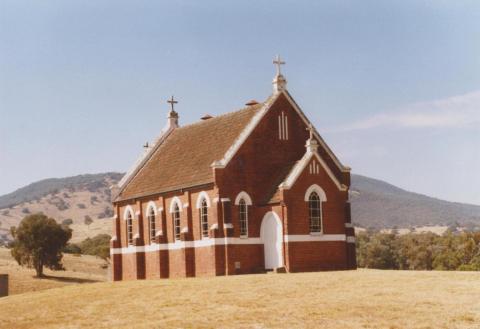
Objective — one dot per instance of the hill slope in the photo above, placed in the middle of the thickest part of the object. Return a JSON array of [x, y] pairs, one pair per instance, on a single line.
[[345, 299], [374, 204], [63, 198], [381, 205]]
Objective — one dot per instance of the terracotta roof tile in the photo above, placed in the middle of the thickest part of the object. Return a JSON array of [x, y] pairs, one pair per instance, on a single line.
[[185, 157]]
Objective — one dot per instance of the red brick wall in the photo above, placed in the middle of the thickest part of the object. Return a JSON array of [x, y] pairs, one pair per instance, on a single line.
[[333, 210], [257, 168], [316, 256], [152, 265]]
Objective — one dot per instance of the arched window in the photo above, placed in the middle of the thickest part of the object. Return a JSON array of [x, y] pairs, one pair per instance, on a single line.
[[315, 209], [176, 221], [243, 213], [204, 218], [151, 224], [129, 223]]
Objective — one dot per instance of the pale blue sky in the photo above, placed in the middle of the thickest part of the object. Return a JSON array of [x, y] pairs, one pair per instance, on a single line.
[[393, 86]]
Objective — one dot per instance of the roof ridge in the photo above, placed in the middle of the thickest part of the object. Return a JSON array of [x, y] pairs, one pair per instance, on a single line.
[[252, 107]]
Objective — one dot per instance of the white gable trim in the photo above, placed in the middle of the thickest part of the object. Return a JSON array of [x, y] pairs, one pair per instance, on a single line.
[[243, 195], [316, 134], [143, 159], [174, 201], [244, 134], [127, 210], [257, 118], [201, 196], [318, 190], [300, 167]]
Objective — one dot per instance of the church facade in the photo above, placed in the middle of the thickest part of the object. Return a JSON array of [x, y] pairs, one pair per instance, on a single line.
[[249, 191]]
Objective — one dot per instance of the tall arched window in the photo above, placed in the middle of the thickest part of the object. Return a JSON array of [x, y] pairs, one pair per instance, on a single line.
[[176, 222], [129, 224], [151, 224], [315, 209], [243, 213], [204, 218]]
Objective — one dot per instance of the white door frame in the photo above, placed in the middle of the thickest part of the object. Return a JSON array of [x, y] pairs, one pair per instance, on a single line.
[[271, 235]]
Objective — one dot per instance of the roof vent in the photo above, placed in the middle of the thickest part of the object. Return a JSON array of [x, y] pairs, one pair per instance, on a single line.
[[251, 103], [206, 117]]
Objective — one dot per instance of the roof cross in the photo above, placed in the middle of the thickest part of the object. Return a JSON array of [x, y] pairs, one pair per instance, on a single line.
[[278, 61], [310, 129], [172, 102]]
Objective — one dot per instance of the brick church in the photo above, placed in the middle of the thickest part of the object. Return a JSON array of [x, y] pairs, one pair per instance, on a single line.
[[248, 191]]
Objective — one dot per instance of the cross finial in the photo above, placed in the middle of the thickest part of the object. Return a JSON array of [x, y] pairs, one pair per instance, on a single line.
[[172, 102], [146, 145], [278, 61], [310, 129]]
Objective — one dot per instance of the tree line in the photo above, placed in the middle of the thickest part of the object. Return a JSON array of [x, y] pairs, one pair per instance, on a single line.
[[419, 251]]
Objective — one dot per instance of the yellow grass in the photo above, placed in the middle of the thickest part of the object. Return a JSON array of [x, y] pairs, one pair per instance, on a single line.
[[80, 269], [349, 299]]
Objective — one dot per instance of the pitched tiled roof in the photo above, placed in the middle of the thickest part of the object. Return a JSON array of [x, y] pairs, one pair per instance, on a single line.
[[280, 174], [184, 159]]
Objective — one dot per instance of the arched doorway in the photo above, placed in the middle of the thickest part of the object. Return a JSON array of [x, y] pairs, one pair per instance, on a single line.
[[271, 234]]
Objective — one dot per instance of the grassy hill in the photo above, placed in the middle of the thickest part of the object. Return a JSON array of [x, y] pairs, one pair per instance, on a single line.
[[63, 198], [79, 270], [381, 205], [345, 299], [374, 204]]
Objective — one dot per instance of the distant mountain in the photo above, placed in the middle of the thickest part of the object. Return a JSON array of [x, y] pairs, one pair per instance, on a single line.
[[378, 204], [375, 204], [72, 198]]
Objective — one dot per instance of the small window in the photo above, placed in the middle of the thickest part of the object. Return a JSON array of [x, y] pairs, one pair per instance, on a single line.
[[176, 222], [129, 228], [315, 208], [204, 218], [243, 212], [151, 224]]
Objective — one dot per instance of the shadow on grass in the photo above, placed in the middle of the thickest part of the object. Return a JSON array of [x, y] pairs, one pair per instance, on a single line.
[[68, 279]]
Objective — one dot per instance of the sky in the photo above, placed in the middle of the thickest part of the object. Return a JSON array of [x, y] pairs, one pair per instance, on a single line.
[[392, 86]]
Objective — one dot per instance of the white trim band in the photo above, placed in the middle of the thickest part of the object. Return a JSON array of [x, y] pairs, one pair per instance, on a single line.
[[312, 238], [177, 245]]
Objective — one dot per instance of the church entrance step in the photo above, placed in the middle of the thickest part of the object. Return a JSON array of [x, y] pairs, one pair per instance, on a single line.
[[276, 270]]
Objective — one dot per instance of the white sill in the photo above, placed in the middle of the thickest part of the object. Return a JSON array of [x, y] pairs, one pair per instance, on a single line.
[[316, 233], [243, 236], [205, 238]]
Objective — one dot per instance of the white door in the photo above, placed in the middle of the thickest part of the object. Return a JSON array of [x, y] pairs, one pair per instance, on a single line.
[[272, 238]]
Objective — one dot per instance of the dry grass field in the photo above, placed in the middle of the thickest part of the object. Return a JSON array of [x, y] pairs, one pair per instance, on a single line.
[[350, 299], [80, 269]]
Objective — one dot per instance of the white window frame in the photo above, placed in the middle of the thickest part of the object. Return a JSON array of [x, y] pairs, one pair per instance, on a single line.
[[243, 221], [151, 207]]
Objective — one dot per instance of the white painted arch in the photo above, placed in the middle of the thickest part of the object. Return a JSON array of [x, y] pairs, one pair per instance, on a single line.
[[271, 235], [243, 195], [201, 196], [319, 190], [128, 209], [175, 200], [151, 204]]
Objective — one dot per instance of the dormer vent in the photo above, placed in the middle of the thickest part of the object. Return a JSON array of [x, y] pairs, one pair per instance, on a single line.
[[206, 117]]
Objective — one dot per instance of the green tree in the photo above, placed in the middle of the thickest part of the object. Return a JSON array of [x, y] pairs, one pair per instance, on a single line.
[[88, 220], [38, 242], [67, 222], [98, 246]]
